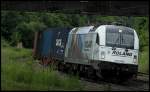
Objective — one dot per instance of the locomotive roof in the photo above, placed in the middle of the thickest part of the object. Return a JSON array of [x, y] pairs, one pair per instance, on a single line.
[[91, 29], [81, 30], [118, 26]]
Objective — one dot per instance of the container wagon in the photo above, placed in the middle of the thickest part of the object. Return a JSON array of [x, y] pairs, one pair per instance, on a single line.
[[50, 44]]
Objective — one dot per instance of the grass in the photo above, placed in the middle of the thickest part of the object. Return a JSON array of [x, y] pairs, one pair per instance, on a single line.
[[144, 60], [19, 74]]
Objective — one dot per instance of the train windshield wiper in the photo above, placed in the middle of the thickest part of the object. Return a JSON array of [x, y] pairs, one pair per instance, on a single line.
[[116, 41]]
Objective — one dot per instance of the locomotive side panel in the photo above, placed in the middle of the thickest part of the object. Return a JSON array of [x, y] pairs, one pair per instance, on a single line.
[[80, 46]]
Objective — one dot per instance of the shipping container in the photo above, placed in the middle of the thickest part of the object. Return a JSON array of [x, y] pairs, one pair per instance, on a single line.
[[51, 43]]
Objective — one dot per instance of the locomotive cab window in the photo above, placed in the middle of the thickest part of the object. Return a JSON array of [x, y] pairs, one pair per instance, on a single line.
[[97, 39], [120, 39]]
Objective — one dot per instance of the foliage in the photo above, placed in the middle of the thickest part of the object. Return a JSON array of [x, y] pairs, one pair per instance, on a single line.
[[20, 72], [141, 25], [16, 26], [144, 60]]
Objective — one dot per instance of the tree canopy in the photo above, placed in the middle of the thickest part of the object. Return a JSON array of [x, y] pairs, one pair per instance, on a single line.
[[20, 26]]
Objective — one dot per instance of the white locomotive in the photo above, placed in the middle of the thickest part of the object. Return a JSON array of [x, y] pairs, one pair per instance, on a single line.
[[110, 50]]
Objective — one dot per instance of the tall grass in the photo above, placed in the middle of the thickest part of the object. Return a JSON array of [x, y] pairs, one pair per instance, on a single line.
[[144, 60], [20, 74]]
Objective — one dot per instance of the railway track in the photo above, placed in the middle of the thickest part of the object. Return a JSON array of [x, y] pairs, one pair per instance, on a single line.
[[143, 76], [131, 85], [96, 84]]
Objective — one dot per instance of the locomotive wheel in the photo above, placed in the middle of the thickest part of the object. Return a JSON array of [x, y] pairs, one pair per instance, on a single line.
[[74, 69], [61, 67], [90, 72], [98, 74], [70, 69], [66, 68]]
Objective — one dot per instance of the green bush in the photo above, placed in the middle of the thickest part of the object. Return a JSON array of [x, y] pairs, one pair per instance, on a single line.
[[4, 43]]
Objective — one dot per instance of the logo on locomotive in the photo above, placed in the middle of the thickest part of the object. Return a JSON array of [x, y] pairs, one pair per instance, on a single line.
[[119, 53]]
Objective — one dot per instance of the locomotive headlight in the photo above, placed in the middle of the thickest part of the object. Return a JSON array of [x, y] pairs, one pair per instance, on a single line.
[[102, 54], [135, 59]]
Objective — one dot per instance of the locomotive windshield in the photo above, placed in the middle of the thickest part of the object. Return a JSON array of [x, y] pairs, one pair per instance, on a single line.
[[121, 37]]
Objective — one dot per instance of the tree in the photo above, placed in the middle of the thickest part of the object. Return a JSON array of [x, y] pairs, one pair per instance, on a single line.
[[20, 26]]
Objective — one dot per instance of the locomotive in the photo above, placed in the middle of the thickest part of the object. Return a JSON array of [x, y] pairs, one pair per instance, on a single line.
[[108, 51]]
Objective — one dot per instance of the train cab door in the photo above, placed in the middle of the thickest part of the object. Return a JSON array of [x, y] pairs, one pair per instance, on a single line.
[[96, 47]]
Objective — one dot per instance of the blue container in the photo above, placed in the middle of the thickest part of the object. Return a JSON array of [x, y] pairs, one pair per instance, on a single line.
[[52, 42], [60, 40], [47, 42]]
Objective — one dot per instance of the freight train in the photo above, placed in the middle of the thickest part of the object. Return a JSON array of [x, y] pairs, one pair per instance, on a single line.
[[108, 51]]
